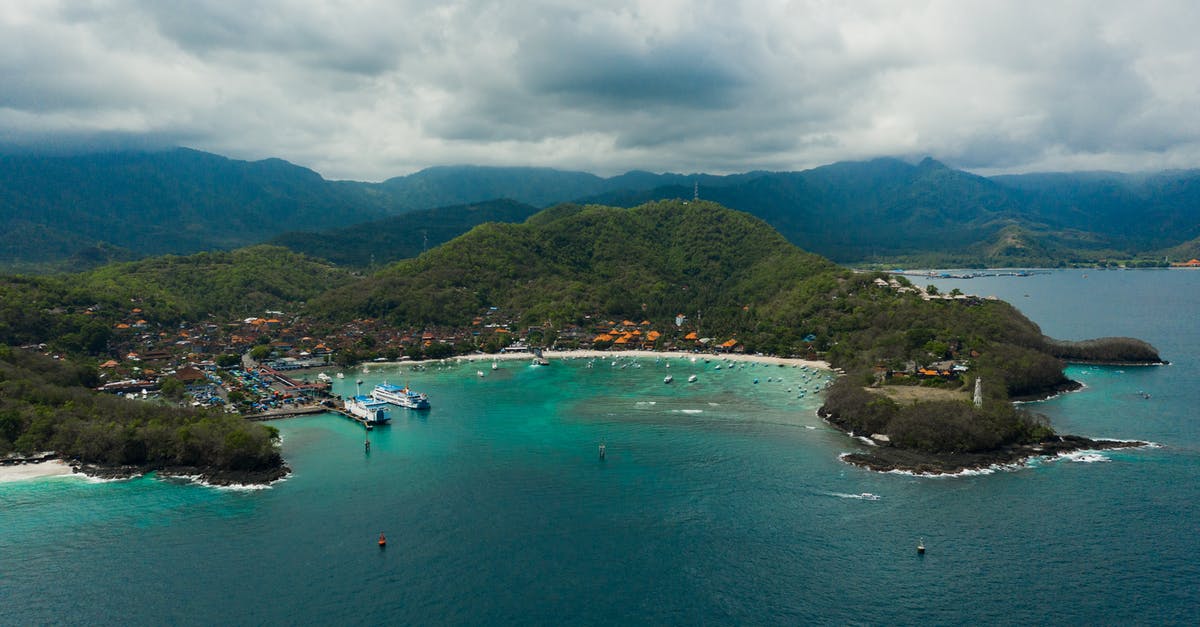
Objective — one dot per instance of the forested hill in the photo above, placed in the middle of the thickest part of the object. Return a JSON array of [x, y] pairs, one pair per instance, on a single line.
[[929, 214], [730, 273], [177, 201], [71, 213], [568, 262], [381, 242], [77, 312]]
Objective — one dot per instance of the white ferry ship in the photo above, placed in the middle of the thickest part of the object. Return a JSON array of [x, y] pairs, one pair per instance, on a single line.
[[402, 396], [372, 411]]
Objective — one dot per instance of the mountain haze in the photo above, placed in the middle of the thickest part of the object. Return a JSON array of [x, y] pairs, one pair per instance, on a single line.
[[76, 212]]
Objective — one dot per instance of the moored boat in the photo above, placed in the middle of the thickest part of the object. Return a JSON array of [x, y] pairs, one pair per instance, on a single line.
[[372, 412], [402, 396]]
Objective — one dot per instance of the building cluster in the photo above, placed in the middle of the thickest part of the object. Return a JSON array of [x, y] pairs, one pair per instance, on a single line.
[[243, 363]]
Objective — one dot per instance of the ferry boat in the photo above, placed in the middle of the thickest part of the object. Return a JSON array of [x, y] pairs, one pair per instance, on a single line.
[[370, 410], [402, 396]]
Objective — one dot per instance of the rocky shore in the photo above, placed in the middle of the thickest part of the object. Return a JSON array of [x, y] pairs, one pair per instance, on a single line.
[[1069, 385], [205, 475], [888, 458]]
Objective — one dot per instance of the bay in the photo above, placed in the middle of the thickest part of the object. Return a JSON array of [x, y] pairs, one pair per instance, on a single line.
[[718, 502]]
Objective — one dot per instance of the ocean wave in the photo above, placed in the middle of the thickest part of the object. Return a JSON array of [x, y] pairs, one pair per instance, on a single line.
[[862, 496], [90, 479], [966, 472], [1085, 457], [687, 411]]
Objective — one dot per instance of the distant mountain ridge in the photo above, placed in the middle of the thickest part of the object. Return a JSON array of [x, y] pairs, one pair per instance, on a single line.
[[77, 212]]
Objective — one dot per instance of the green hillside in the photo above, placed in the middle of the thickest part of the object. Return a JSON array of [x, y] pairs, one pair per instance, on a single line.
[[76, 312], [574, 267], [71, 213], [177, 201], [381, 242]]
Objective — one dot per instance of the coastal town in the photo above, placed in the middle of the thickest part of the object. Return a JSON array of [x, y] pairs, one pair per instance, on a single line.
[[250, 365], [266, 366]]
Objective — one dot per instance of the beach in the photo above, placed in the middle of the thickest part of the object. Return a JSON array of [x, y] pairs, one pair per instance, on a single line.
[[642, 354], [40, 470]]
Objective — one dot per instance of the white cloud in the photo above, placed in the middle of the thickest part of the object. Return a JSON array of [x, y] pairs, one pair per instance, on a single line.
[[367, 90]]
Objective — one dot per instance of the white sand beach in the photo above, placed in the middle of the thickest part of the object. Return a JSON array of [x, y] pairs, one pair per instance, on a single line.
[[25, 472], [593, 354]]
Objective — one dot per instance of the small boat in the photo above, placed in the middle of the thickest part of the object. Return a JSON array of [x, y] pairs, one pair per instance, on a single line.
[[324, 378], [341, 375], [382, 540], [495, 366], [692, 379], [869, 497], [921, 546], [668, 379]]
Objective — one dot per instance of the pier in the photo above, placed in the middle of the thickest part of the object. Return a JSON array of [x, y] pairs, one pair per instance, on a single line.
[[287, 412], [360, 420]]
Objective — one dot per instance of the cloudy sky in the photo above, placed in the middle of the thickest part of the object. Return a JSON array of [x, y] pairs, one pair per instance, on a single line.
[[367, 89]]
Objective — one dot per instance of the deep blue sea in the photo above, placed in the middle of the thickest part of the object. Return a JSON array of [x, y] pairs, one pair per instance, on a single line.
[[719, 502]]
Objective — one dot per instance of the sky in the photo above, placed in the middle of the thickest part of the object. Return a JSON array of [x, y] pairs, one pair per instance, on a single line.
[[366, 90]]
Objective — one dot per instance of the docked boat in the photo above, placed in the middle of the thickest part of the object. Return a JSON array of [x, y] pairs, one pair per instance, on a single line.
[[668, 379], [692, 379], [373, 412], [324, 378], [401, 396]]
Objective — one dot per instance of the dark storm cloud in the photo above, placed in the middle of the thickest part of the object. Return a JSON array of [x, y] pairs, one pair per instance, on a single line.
[[372, 89]]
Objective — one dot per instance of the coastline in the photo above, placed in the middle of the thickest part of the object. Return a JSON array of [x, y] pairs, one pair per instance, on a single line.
[[642, 354], [46, 468], [11, 473], [894, 460]]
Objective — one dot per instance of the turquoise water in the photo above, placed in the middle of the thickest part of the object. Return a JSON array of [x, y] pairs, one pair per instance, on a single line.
[[718, 502]]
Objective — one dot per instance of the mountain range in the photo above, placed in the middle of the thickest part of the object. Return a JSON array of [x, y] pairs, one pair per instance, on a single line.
[[70, 213]]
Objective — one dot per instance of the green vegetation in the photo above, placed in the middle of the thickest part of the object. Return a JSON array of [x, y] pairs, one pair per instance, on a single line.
[[882, 212], [1121, 350], [382, 242], [932, 426], [727, 270], [77, 313], [44, 405], [569, 267]]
